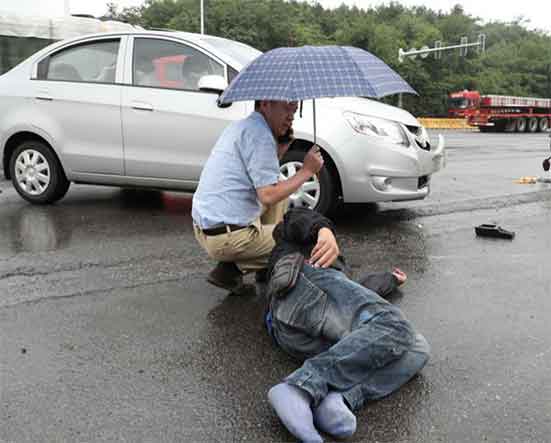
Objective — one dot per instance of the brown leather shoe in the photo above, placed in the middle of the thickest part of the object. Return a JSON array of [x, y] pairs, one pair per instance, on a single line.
[[227, 276]]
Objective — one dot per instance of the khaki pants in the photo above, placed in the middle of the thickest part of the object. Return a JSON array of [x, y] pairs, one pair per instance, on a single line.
[[248, 248]]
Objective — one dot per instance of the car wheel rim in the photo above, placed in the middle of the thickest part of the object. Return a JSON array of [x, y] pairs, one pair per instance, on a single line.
[[32, 172], [308, 195]]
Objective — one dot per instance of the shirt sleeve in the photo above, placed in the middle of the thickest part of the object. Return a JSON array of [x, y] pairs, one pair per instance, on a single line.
[[259, 153], [383, 283]]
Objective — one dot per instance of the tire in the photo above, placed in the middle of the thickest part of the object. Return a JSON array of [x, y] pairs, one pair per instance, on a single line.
[[486, 129], [37, 174], [499, 125], [318, 193], [520, 125], [510, 126], [532, 125], [543, 124]]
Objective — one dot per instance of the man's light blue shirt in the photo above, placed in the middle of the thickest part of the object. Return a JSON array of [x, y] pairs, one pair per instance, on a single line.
[[243, 159]]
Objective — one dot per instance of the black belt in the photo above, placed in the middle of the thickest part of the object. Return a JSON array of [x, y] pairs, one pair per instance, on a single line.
[[223, 229]]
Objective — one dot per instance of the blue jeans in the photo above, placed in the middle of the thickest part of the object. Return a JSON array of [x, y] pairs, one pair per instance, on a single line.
[[352, 340]]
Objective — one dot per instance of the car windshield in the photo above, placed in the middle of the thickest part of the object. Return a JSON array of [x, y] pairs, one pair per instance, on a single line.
[[241, 52]]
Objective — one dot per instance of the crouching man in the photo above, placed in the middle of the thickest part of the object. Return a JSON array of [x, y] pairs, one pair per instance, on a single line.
[[355, 345]]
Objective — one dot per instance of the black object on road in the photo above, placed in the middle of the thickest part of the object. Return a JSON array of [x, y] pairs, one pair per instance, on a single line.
[[545, 164], [493, 230]]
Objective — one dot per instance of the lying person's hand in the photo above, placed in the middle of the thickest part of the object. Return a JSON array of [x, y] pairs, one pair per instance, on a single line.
[[326, 250], [400, 275]]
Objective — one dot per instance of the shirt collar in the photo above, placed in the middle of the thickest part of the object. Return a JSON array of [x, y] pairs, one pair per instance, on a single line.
[[260, 118]]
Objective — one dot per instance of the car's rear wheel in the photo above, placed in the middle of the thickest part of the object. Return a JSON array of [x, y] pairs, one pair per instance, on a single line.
[[318, 193], [37, 174]]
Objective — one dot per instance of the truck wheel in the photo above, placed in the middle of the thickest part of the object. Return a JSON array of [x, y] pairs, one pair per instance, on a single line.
[[510, 126], [318, 193], [520, 125], [37, 174], [499, 125], [532, 124], [486, 129], [543, 125]]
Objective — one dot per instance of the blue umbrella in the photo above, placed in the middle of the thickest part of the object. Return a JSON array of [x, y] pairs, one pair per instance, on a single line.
[[310, 72]]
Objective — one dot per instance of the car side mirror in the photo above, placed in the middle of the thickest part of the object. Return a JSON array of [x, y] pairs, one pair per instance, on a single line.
[[212, 83], [216, 84]]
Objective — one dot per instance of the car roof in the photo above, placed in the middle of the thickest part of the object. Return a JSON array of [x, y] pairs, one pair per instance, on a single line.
[[190, 37]]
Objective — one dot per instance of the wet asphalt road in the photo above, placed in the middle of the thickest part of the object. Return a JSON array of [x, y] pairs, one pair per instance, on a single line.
[[109, 331]]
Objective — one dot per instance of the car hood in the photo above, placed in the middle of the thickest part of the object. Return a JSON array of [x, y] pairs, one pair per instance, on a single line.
[[374, 108]]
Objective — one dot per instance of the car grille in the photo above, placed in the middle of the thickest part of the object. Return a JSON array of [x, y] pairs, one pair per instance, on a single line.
[[425, 148], [422, 182], [415, 131]]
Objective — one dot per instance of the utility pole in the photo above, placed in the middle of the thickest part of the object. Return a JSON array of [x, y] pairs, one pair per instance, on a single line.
[[202, 17]]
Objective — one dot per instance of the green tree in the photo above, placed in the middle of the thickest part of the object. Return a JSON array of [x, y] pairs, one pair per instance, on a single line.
[[516, 61]]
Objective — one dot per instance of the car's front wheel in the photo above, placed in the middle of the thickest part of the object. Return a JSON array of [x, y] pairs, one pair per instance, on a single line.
[[318, 193], [37, 174]]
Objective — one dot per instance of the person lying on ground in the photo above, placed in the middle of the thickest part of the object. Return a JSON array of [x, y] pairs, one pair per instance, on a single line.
[[355, 346]]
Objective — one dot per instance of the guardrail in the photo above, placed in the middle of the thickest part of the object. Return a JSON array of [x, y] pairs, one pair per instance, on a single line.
[[445, 123]]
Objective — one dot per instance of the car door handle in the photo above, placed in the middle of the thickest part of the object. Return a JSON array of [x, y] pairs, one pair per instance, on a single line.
[[142, 106], [44, 97]]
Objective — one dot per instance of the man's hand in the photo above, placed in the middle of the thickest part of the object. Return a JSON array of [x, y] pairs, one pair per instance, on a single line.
[[326, 250], [313, 162], [271, 194]]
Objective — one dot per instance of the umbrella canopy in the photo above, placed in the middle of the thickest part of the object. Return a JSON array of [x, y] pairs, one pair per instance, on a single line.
[[310, 72]]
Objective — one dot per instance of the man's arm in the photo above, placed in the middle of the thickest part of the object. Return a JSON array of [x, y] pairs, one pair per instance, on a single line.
[[271, 194]]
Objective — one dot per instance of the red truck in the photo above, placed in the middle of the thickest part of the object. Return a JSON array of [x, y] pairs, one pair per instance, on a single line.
[[501, 113]]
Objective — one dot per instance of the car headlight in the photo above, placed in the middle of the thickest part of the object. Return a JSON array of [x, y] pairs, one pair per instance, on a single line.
[[378, 127]]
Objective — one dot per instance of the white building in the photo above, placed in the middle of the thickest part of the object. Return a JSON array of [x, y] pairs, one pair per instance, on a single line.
[[21, 36]]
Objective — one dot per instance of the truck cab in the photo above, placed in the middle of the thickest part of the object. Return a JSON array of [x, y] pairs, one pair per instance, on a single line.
[[463, 104]]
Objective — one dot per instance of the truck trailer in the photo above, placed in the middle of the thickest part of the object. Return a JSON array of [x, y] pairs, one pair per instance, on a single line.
[[501, 113]]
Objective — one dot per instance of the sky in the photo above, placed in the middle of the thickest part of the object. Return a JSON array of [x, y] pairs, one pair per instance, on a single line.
[[538, 12]]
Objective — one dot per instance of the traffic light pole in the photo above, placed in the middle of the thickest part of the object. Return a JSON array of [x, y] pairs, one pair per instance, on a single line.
[[424, 52]]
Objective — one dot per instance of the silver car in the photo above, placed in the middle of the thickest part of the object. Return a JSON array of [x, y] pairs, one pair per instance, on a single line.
[[140, 109]]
